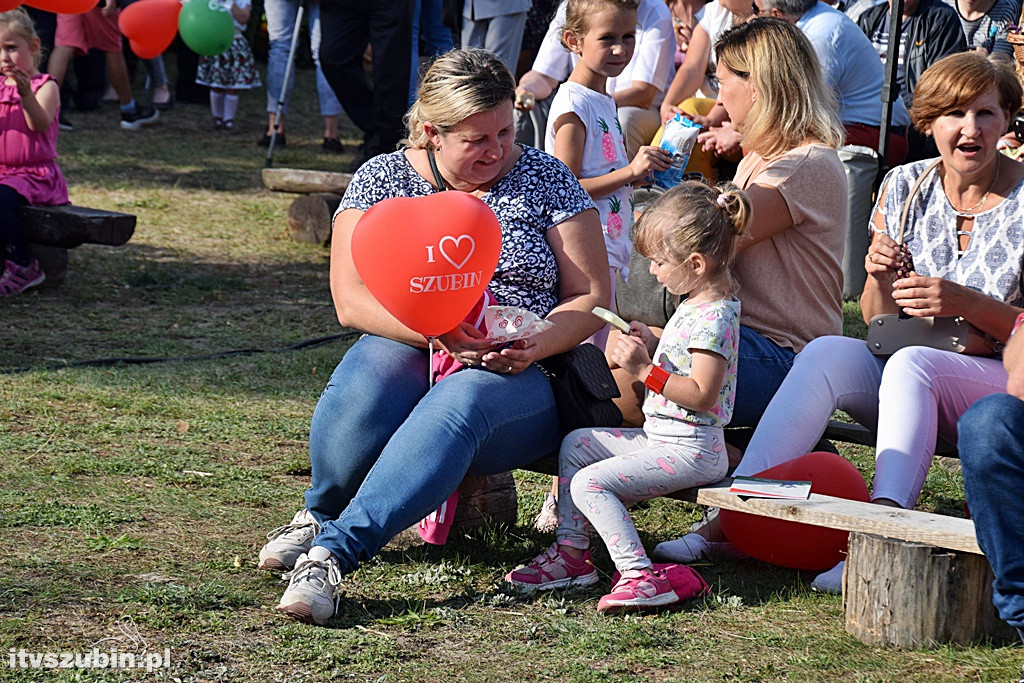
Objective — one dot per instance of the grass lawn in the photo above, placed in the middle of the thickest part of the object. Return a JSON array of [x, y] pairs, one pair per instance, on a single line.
[[140, 494]]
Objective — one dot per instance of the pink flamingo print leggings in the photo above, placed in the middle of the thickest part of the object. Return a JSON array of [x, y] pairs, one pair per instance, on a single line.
[[600, 470]]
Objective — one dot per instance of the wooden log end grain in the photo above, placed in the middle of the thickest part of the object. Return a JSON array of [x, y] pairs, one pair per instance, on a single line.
[[309, 217]]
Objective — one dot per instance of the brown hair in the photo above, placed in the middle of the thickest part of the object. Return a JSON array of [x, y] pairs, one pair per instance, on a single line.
[[794, 103], [20, 22], [952, 82], [693, 217], [457, 85], [578, 12]]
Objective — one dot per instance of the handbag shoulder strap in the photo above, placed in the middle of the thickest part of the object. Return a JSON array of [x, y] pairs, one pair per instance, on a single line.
[[438, 178], [910, 198]]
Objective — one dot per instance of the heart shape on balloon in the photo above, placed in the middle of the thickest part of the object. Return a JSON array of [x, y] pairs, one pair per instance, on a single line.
[[427, 260]]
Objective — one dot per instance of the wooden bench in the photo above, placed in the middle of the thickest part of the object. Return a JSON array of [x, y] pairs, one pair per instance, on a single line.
[[309, 216], [52, 230], [912, 579]]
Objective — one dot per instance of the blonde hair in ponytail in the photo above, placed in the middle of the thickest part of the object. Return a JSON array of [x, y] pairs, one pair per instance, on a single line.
[[693, 217]]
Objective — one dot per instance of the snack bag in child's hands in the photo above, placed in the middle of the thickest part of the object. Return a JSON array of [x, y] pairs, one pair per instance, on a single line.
[[677, 139]]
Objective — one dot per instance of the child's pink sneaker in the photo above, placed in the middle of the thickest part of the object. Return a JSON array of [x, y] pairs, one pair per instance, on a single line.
[[639, 589], [554, 568], [17, 278]]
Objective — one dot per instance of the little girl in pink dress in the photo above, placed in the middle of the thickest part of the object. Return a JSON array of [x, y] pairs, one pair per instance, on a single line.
[[29, 102]]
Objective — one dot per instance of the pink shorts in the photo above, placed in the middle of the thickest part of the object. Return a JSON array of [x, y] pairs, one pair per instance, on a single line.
[[87, 31]]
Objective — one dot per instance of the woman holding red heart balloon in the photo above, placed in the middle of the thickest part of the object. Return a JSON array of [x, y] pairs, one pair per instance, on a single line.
[[386, 447]]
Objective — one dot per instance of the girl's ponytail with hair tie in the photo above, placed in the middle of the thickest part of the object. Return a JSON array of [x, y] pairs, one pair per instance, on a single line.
[[720, 200]]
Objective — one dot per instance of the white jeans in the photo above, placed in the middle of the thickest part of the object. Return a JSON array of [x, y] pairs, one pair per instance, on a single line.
[[917, 394]]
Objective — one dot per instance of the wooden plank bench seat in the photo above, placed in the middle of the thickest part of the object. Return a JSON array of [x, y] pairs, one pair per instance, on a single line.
[[52, 230]]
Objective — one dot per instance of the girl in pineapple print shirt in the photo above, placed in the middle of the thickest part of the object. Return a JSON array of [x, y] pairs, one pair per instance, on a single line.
[[583, 128], [689, 233]]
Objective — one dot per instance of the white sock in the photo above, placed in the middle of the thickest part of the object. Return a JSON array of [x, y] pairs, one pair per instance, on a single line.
[[230, 106], [217, 104]]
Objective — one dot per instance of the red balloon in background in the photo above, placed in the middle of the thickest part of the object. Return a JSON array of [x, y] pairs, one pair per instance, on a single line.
[[8, 5], [63, 6], [791, 544], [427, 260], [150, 26]]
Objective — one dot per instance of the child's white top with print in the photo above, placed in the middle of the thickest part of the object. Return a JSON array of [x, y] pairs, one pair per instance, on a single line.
[[603, 152], [242, 4], [714, 327]]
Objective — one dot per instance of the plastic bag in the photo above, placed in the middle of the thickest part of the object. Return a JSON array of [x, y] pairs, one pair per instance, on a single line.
[[677, 139]]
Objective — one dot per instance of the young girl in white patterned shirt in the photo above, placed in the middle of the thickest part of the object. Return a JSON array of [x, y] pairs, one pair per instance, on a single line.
[[689, 233]]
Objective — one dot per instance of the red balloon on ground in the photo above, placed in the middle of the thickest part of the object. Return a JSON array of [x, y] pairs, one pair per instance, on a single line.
[[791, 544], [63, 6], [427, 260], [150, 26]]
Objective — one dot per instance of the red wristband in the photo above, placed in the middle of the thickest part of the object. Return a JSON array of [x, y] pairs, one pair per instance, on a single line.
[[656, 379], [1017, 323]]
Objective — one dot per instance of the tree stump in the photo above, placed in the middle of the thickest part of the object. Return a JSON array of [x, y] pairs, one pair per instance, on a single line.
[[914, 595], [486, 500], [53, 261], [309, 217]]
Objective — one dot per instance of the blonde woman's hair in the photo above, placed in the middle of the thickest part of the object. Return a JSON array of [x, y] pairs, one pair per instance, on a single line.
[[457, 85], [20, 22], [794, 104], [578, 13], [954, 81], [693, 217]]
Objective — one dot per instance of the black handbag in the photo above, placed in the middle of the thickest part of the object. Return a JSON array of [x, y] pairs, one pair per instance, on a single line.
[[583, 387]]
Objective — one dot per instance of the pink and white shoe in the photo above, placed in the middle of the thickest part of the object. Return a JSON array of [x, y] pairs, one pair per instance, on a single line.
[[434, 528], [554, 568], [16, 279], [639, 589]]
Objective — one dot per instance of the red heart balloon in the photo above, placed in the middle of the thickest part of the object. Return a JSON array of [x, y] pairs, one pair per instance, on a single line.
[[428, 259], [150, 26], [791, 544], [63, 6]]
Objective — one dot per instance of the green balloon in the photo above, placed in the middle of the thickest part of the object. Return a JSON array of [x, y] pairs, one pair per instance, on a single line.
[[206, 27]]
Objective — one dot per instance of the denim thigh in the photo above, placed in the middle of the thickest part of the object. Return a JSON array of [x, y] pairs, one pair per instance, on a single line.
[[761, 367]]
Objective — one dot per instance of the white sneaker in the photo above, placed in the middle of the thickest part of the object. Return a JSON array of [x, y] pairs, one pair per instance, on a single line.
[[694, 547], [312, 593], [288, 542], [831, 581]]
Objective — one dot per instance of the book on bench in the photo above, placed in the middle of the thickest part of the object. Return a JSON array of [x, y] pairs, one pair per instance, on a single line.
[[754, 487]]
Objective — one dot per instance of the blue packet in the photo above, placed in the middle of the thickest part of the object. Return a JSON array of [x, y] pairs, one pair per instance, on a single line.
[[678, 139]]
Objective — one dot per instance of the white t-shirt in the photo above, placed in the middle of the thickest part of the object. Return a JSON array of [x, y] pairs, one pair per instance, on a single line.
[[715, 20], [603, 151], [652, 60]]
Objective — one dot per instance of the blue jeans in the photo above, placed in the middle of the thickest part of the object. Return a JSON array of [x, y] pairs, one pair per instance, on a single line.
[[280, 27], [437, 38], [386, 452], [761, 367], [991, 445]]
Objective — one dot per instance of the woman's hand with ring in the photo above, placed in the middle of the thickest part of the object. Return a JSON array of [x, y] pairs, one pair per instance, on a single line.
[[881, 258], [466, 344], [513, 359]]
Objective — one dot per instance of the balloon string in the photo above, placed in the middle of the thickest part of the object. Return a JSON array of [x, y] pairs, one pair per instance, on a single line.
[[430, 372]]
